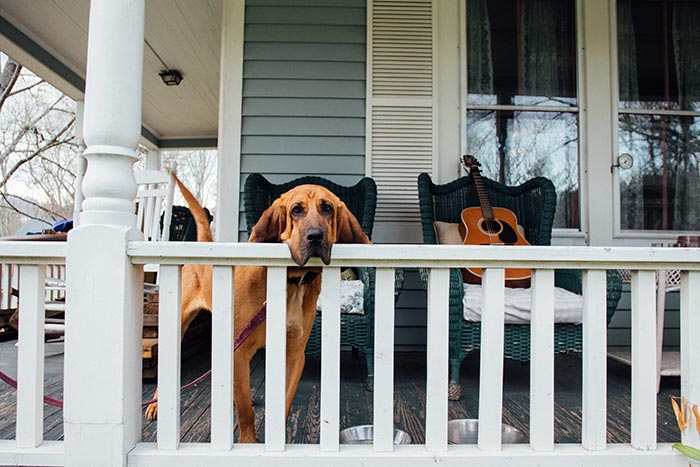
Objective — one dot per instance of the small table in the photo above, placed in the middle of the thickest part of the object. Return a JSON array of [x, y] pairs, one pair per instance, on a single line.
[[45, 237]]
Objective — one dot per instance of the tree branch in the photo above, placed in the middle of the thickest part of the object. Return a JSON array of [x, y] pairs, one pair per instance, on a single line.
[[31, 216], [54, 141]]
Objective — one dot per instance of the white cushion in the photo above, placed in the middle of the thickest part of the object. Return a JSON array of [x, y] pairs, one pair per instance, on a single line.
[[352, 298], [568, 306]]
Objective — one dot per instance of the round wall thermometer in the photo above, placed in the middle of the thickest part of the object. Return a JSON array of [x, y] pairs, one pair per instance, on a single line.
[[625, 161]]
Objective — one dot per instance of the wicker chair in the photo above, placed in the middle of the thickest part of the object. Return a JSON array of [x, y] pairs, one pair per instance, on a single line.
[[182, 226], [356, 330], [533, 203]]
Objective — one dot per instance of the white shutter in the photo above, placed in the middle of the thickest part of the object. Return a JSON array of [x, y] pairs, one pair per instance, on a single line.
[[400, 103]]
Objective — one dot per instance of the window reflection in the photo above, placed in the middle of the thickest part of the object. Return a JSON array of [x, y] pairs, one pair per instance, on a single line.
[[659, 79], [514, 147], [521, 56], [662, 189]]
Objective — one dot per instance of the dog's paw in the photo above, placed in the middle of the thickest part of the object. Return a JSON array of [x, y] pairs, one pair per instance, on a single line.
[[248, 438], [152, 411]]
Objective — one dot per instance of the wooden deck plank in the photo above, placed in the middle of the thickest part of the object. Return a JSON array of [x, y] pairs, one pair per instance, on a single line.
[[409, 395]]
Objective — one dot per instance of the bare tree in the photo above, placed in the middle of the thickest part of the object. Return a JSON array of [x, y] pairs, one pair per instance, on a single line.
[[197, 169], [37, 152]]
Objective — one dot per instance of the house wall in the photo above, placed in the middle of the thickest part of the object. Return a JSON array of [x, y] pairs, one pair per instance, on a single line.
[[304, 114], [619, 332], [303, 91]]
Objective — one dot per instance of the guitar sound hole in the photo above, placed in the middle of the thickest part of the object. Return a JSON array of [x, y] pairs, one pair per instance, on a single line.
[[490, 226], [502, 230]]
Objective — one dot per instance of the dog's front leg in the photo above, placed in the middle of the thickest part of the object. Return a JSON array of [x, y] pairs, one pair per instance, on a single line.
[[243, 398]]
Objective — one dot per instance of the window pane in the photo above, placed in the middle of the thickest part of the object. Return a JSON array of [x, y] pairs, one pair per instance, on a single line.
[[521, 52], [662, 189], [514, 147], [659, 54]]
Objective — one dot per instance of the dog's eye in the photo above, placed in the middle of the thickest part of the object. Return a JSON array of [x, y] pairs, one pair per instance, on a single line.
[[297, 210], [326, 208]]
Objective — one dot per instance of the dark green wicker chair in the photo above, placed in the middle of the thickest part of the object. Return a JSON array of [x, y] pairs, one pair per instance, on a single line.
[[533, 203], [182, 225], [356, 331]]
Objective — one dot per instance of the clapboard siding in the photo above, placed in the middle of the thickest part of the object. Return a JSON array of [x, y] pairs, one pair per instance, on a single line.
[[294, 69], [308, 88], [305, 33], [304, 90], [310, 126], [287, 107], [306, 16], [303, 145], [411, 313], [305, 52], [619, 335], [335, 165]]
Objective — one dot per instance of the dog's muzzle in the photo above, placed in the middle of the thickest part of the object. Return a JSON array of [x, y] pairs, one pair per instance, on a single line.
[[313, 245]]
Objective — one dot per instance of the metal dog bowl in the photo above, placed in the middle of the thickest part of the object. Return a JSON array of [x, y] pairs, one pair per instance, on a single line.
[[466, 431], [364, 434]]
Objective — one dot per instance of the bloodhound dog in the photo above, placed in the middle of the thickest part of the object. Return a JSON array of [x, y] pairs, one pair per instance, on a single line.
[[309, 219]]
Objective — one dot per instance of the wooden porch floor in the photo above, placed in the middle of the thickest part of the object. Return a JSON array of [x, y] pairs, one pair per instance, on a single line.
[[356, 401]]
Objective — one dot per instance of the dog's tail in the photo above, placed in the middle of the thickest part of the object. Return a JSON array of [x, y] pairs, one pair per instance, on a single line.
[[200, 216]]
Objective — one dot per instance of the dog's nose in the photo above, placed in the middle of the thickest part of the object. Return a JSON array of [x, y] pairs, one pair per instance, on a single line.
[[314, 235]]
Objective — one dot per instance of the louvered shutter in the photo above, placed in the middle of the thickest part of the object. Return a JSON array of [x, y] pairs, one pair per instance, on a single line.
[[400, 103]]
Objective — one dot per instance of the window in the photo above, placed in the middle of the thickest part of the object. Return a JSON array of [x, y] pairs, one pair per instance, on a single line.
[[659, 113], [522, 108]]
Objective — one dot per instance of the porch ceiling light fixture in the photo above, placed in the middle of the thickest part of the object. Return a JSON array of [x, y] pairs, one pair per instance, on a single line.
[[171, 77]]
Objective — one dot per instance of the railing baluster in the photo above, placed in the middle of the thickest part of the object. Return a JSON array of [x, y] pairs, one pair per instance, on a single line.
[[594, 405], [491, 368], [275, 360], [690, 347], [5, 286], [169, 330], [30, 360], [643, 425], [384, 360], [330, 359], [437, 360], [222, 365], [542, 361]]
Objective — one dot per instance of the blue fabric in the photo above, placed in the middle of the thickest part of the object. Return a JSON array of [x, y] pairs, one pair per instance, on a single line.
[[63, 225]]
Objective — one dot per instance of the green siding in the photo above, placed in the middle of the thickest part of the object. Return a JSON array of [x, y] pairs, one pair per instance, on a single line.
[[304, 90]]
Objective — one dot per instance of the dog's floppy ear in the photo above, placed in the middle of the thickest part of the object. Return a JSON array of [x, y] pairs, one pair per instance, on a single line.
[[271, 224], [348, 229]]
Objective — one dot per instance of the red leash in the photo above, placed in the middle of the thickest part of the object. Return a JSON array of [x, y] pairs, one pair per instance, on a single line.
[[245, 333]]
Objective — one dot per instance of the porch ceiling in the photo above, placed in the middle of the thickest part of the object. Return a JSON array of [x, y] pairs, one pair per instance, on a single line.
[[180, 34]]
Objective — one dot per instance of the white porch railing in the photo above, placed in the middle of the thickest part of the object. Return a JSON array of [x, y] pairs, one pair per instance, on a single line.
[[33, 259], [29, 448], [542, 450]]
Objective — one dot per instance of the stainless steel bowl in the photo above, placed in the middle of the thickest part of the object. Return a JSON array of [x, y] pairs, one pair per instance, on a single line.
[[466, 431], [364, 434]]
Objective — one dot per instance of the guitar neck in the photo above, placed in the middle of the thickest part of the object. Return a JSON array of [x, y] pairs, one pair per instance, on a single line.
[[483, 195]]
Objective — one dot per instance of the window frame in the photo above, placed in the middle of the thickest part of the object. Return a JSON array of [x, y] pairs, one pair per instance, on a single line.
[[572, 236], [629, 236]]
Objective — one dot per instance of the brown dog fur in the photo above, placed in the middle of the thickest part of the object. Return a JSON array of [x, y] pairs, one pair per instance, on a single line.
[[309, 219]]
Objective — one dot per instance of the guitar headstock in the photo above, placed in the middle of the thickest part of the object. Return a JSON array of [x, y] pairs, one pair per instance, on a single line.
[[470, 163]]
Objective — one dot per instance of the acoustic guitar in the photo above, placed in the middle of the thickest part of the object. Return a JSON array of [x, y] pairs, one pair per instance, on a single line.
[[486, 225]]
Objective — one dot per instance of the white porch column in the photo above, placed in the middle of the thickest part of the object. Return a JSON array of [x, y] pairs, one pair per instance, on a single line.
[[104, 291], [230, 108]]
